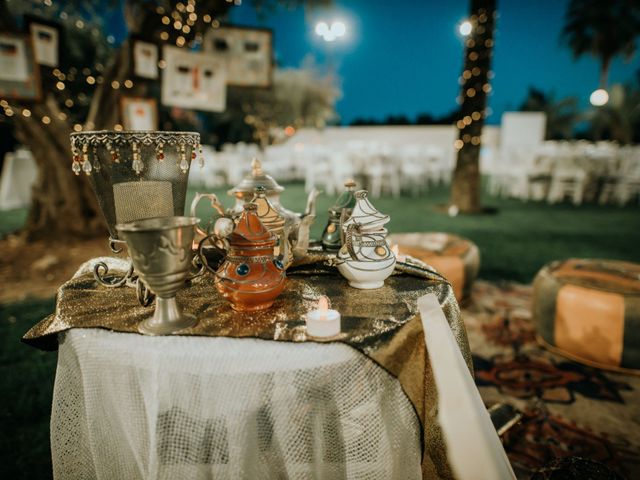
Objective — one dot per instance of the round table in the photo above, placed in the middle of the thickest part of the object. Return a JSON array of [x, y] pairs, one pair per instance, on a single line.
[[456, 258], [589, 311], [130, 406]]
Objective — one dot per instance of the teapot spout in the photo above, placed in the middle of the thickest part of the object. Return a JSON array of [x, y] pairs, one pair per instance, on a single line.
[[302, 244], [310, 209]]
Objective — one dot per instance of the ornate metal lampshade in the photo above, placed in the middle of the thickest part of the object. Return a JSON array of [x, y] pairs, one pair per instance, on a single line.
[[136, 174]]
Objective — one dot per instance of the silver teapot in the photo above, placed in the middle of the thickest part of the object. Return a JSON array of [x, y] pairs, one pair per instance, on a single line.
[[296, 225]]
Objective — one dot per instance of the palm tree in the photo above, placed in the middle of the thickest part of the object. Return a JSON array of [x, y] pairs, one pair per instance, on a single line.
[[604, 29], [465, 188], [619, 118], [562, 114]]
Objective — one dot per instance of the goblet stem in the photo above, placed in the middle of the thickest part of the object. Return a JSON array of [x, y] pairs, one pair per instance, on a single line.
[[167, 318]]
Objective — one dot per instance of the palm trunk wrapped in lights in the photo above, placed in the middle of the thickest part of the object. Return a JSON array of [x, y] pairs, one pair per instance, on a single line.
[[465, 189]]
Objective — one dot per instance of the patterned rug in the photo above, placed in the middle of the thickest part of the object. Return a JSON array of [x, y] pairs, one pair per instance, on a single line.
[[568, 409]]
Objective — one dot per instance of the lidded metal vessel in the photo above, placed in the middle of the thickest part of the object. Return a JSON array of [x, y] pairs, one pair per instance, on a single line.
[[273, 220], [296, 225], [339, 212], [251, 276], [244, 191], [365, 259]]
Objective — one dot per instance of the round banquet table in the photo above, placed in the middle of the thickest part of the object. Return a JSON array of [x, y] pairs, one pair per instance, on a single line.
[[130, 406]]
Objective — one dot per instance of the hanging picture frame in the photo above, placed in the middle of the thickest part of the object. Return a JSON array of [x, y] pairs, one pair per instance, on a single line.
[[195, 81], [145, 56], [19, 75], [246, 52], [139, 113], [46, 38]]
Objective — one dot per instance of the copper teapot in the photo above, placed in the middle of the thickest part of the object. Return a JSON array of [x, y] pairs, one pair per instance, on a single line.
[[250, 276]]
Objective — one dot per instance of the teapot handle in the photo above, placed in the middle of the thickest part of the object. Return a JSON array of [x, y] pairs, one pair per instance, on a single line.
[[344, 216], [215, 204], [351, 229], [218, 243]]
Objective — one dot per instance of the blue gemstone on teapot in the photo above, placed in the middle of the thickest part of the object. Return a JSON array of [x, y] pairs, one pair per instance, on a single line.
[[278, 263], [242, 269]]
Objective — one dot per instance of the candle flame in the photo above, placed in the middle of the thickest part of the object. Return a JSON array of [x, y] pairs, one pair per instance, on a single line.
[[395, 249], [323, 307]]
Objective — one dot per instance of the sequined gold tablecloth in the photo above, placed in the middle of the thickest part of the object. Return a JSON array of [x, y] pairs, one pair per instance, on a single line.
[[383, 324]]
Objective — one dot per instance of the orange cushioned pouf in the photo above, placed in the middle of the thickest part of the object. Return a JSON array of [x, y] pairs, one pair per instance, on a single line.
[[589, 311], [456, 258]]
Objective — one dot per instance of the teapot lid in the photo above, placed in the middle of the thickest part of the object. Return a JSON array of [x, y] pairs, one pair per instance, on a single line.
[[257, 178], [250, 231], [365, 214], [346, 199], [267, 213]]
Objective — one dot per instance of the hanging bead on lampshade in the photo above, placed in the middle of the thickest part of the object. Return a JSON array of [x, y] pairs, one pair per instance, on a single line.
[[75, 166], [137, 164], [184, 165], [86, 164], [115, 157]]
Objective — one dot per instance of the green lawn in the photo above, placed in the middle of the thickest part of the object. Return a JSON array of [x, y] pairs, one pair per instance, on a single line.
[[514, 243], [26, 376]]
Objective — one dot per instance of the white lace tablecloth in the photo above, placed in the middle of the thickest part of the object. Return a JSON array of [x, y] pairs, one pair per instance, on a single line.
[[130, 407]]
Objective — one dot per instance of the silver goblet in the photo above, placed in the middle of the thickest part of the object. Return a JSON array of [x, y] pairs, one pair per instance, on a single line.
[[161, 251]]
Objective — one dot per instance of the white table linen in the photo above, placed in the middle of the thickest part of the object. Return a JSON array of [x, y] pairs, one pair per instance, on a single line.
[[129, 406]]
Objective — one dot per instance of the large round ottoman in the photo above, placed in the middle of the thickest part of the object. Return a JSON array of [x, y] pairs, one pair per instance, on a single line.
[[456, 258], [589, 311]]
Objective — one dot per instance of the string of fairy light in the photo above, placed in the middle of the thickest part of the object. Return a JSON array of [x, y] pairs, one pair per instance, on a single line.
[[475, 24], [181, 19]]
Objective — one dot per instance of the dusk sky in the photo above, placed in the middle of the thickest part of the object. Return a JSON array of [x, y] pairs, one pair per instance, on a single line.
[[405, 57]]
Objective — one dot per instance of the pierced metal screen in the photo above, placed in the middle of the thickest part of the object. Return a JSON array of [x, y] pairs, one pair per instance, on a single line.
[[136, 175], [140, 200]]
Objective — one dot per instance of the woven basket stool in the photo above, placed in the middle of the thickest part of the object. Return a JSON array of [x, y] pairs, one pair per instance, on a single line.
[[589, 311], [456, 258]]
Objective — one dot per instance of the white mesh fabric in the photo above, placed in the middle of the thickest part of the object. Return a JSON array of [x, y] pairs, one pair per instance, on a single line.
[[128, 406]]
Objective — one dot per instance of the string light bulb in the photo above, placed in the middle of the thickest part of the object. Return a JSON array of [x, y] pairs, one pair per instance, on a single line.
[[465, 28], [599, 97]]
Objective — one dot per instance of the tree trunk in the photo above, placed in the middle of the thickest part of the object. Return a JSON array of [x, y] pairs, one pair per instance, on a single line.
[[64, 205], [465, 188], [605, 66]]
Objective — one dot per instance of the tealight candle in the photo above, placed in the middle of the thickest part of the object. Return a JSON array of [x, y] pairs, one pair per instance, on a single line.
[[323, 322]]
